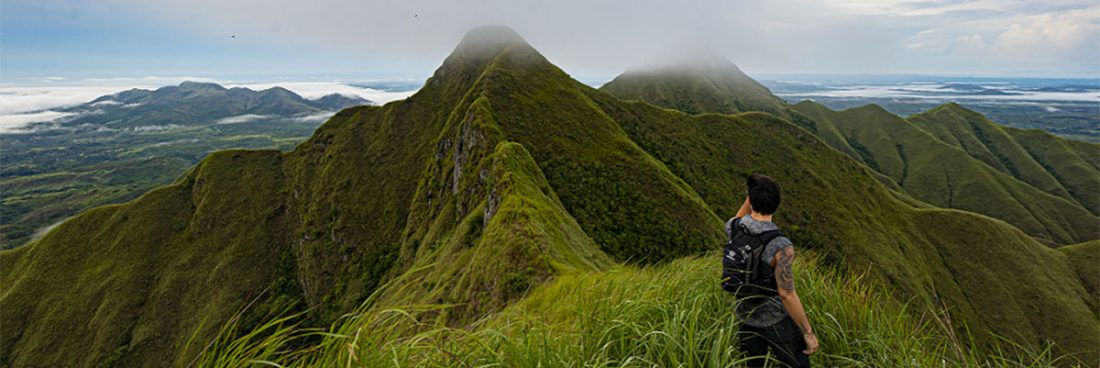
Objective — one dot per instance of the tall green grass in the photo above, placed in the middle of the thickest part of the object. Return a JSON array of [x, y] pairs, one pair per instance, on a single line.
[[670, 315]]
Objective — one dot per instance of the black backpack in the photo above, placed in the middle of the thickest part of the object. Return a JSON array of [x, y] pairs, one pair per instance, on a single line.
[[742, 269]]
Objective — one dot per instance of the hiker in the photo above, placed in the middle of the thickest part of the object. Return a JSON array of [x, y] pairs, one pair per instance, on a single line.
[[757, 270]]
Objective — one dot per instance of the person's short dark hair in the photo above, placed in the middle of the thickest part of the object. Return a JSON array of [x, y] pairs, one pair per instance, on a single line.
[[763, 194]]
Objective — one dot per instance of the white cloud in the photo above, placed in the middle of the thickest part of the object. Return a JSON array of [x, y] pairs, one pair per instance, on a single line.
[[24, 99], [938, 92], [1051, 31], [106, 103], [314, 118], [241, 119], [154, 128], [12, 123], [16, 98], [1015, 38], [41, 232], [178, 141], [315, 90]]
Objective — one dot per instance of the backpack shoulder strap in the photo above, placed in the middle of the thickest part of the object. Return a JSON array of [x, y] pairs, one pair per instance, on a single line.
[[767, 236], [732, 225]]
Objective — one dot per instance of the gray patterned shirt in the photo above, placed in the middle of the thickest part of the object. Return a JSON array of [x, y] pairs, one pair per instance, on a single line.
[[762, 311]]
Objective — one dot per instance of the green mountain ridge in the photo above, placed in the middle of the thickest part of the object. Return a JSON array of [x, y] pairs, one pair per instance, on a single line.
[[912, 157], [946, 176], [1065, 168], [501, 173], [712, 84]]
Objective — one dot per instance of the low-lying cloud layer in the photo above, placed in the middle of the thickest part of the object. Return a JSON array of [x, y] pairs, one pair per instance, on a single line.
[[11, 122], [56, 92], [315, 90], [240, 119], [947, 94]]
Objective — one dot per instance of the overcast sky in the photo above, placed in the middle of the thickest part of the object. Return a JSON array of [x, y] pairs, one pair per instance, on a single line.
[[587, 38]]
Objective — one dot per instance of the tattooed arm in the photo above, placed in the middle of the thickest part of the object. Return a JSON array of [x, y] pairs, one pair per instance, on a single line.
[[784, 280]]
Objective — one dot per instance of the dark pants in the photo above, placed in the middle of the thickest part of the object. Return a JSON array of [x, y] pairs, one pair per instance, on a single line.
[[783, 338]]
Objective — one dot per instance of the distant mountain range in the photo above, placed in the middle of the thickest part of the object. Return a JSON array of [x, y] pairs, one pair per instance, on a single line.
[[194, 103], [114, 148], [503, 174]]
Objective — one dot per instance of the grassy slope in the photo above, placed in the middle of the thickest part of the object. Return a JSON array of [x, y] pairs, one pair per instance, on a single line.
[[1050, 163], [1084, 257], [520, 228], [114, 283], [343, 228], [675, 315], [851, 218], [32, 202], [379, 191], [668, 315], [946, 176], [1021, 313], [709, 155]]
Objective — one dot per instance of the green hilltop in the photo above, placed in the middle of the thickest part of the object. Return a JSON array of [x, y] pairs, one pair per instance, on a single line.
[[500, 175], [708, 84], [1066, 168], [946, 176], [948, 157]]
